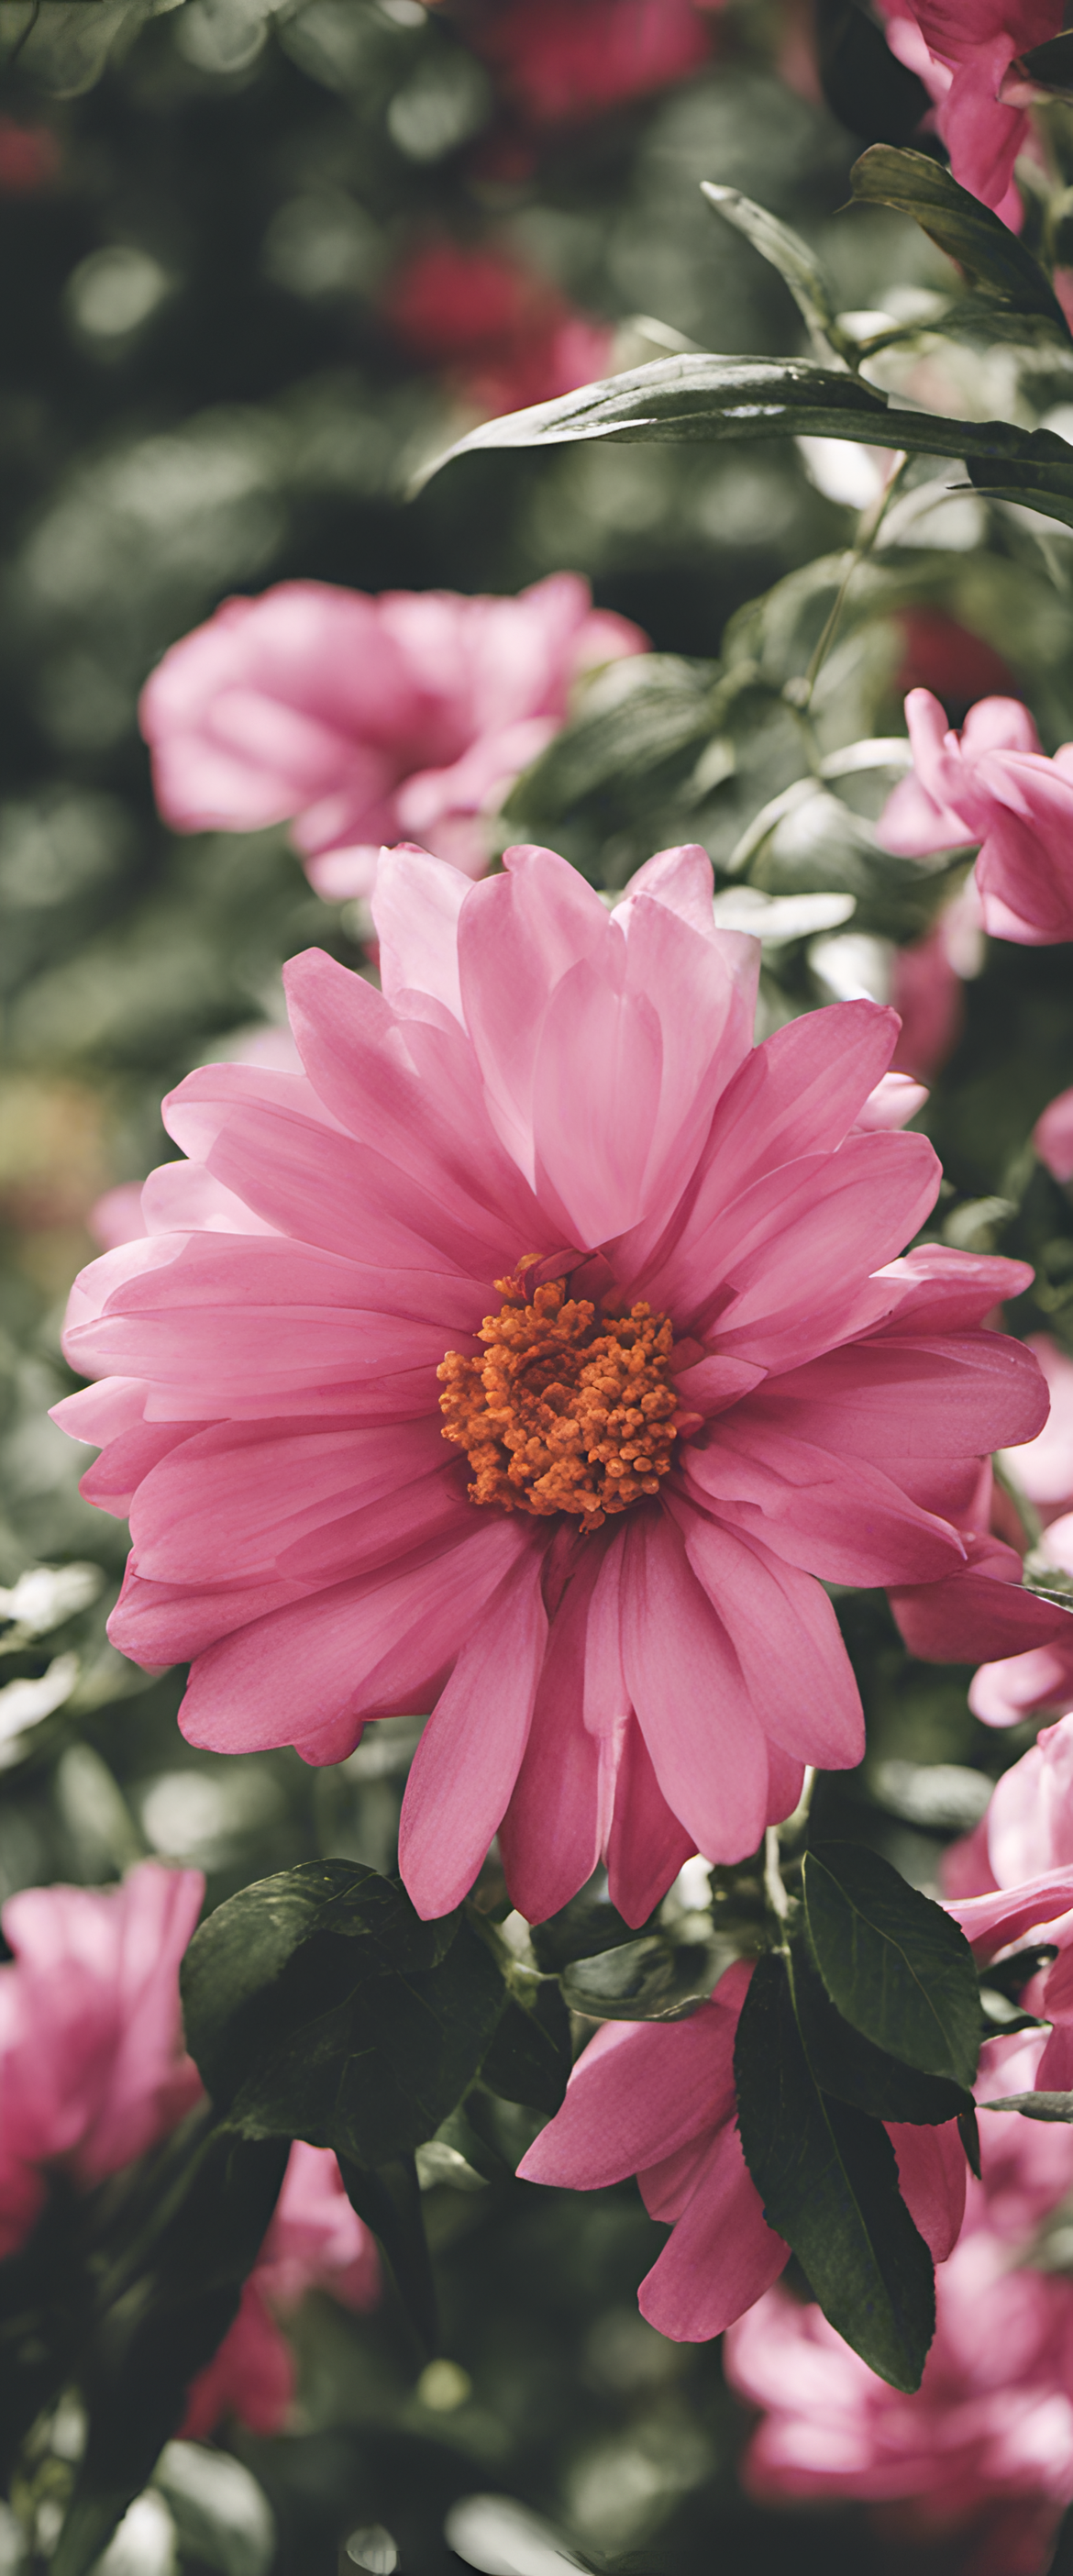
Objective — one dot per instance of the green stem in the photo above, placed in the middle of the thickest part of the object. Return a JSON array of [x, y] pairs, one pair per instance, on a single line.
[[867, 532]]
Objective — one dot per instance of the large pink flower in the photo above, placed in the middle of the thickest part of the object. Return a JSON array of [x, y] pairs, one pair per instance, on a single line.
[[553, 1351], [965, 51], [657, 2100], [365, 720], [92, 2066], [991, 783]]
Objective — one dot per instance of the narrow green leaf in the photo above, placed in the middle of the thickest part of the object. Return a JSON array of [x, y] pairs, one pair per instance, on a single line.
[[897, 1967], [1034, 2106], [697, 397], [318, 2005], [856, 2071], [798, 266], [969, 2134], [388, 2199], [995, 262], [828, 2179]]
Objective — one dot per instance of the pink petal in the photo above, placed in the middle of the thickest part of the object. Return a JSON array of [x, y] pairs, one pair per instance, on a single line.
[[932, 2173], [416, 905], [632, 2104], [722, 2255], [551, 1834], [705, 1741], [840, 1518], [468, 1759], [994, 1922], [646, 1845], [787, 1641], [518, 935]]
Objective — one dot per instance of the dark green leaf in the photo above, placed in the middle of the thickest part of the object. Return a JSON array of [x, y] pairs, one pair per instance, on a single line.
[[797, 265], [160, 2327], [1050, 65], [856, 2071], [649, 1980], [1034, 2106], [1010, 1976], [896, 1966], [969, 2134], [638, 717], [588, 1925], [874, 94], [828, 2179], [995, 262], [389, 2201], [531, 2055], [699, 397], [318, 2005]]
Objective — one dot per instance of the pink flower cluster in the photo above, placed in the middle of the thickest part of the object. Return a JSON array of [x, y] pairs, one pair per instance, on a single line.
[[965, 52], [503, 335], [657, 2100], [93, 2074], [992, 784], [535, 1356], [361, 720], [560, 61]]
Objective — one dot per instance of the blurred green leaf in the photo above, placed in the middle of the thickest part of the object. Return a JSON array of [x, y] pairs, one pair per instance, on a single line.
[[1034, 2106], [388, 2199], [898, 1968], [798, 266], [828, 2180], [318, 2005]]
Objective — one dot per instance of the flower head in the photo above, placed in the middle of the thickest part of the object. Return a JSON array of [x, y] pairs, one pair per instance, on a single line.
[[992, 783], [362, 720], [965, 52], [373, 1466], [657, 2100]]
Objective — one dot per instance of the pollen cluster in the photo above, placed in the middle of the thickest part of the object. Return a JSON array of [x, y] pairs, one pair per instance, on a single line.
[[569, 1410]]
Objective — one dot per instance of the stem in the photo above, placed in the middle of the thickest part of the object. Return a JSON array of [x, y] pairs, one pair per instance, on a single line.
[[773, 1887], [867, 532]]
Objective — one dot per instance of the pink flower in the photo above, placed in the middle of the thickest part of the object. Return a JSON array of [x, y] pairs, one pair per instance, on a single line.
[[941, 655], [502, 332], [1042, 1469], [363, 719], [92, 2067], [964, 51], [992, 784], [93, 2073], [315, 2241], [530, 1358], [563, 60], [1052, 1137], [657, 2100]]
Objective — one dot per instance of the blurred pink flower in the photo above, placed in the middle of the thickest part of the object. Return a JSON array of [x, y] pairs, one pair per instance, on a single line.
[[965, 52], [941, 655], [657, 2100], [930, 1004], [542, 1200], [92, 2067], [93, 2073], [1042, 1469], [1052, 1137], [315, 2241], [991, 784], [563, 60], [360, 720], [504, 335]]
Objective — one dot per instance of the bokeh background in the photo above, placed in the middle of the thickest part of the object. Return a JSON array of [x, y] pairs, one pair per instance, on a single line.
[[260, 265]]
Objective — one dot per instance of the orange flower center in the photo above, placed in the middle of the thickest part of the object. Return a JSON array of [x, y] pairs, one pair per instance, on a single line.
[[570, 1408]]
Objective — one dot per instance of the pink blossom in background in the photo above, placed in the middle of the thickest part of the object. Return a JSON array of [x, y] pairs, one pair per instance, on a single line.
[[92, 2066], [30, 157], [940, 654], [504, 335], [928, 997], [361, 720], [325, 1369], [657, 2100], [1052, 1137], [560, 61], [965, 51], [315, 2241], [991, 784], [93, 2073], [1042, 1469]]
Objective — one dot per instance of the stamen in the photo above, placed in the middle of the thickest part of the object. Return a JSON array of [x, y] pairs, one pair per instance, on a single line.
[[570, 1410]]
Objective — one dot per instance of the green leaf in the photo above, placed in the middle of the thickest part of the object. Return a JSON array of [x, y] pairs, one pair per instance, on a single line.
[[649, 1980], [897, 1967], [389, 2201], [1050, 65], [1034, 2106], [637, 718], [995, 262], [531, 2055], [969, 2134], [223, 2517], [856, 2071], [868, 88], [798, 266], [318, 2005], [828, 2179], [696, 397], [580, 1930], [158, 2324]]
